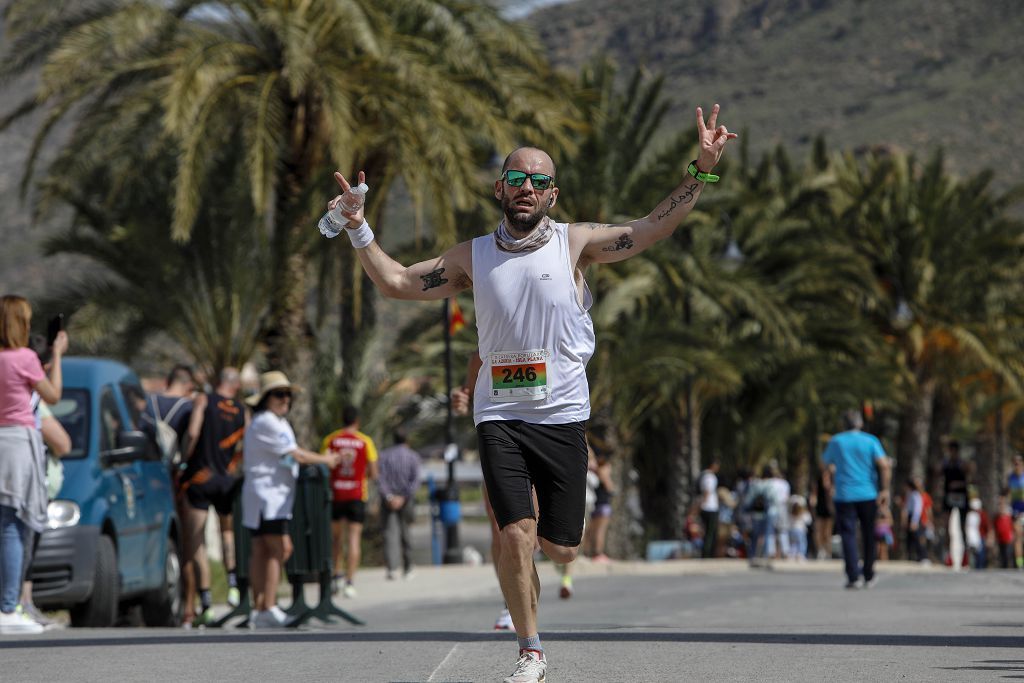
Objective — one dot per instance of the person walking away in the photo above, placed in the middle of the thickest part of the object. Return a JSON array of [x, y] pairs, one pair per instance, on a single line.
[[173, 407], [271, 459], [928, 536], [799, 520], [600, 518], [858, 462], [824, 513], [883, 533], [975, 532], [1003, 525], [955, 474], [1015, 486], [212, 465], [357, 464], [709, 509], [778, 514], [756, 503], [23, 496], [532, 312], [914, 522], [398, 478]]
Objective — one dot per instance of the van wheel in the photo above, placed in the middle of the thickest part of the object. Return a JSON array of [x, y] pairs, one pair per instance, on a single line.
[[100, 610], [163, 607]]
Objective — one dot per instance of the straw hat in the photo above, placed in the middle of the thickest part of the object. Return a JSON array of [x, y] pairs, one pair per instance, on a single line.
[[269, 381]]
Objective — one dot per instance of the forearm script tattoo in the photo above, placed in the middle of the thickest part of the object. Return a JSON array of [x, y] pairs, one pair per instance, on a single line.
[[433, 279], [624, 242], [683, 198]]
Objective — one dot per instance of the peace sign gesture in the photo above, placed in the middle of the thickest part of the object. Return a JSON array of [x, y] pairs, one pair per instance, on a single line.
[[712, 139]]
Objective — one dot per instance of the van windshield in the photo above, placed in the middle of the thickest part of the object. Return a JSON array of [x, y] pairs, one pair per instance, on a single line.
[[72, 411]]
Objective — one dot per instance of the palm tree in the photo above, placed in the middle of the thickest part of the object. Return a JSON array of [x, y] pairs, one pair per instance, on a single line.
[[944, 254], [408, 89], [209, 295]]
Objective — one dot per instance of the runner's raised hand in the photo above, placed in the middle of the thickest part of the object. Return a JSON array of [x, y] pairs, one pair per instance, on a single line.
[[712, 139]]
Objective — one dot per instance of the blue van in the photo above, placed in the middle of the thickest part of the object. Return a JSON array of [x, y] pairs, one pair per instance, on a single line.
[[113, 534]]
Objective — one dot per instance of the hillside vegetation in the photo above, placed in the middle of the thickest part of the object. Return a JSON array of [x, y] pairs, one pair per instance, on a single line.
[[913, 73]]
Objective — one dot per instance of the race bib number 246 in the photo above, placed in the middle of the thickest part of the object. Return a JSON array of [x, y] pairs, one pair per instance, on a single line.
[[519, 375]]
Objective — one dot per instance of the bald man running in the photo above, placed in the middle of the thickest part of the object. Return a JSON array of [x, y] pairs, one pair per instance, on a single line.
[[531, 399]]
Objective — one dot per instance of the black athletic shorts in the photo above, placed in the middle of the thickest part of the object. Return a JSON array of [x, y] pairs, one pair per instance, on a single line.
[[274, 527], [219, 491], [352, 510], [517, 456]]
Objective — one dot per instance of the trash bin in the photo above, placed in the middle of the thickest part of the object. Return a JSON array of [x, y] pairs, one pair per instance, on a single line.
[[311, 558]]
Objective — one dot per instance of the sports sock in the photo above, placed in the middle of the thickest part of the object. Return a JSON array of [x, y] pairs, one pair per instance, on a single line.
[[232, 578], [205, 599], [531, 643]]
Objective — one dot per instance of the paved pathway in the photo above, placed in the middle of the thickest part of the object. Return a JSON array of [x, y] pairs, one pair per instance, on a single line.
[[676, 621]]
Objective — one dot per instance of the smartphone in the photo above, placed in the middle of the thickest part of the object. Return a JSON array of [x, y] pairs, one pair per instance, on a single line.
[[55, 325]]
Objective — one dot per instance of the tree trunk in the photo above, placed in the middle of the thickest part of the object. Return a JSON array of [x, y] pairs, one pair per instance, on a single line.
[[687, 464], [289, 341], [915, 423], [943, 413], [986, 474]]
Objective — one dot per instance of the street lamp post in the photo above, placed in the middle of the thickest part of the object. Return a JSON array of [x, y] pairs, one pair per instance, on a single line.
[[451, 510]]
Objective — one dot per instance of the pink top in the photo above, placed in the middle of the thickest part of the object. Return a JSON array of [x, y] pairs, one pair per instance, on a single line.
[[20, 371]]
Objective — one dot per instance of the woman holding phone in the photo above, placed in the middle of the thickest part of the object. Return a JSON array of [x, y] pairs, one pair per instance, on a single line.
[[22, 464]]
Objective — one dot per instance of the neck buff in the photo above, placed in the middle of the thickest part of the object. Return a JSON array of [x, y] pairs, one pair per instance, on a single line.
[[535, 240]]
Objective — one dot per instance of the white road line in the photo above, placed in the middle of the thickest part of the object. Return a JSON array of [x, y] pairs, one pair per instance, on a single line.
[[443, 662]]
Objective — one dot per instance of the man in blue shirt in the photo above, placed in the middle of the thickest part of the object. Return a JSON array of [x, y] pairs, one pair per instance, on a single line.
[[857, 461]]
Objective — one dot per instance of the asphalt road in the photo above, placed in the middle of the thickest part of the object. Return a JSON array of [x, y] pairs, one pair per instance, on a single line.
[[671, 622]]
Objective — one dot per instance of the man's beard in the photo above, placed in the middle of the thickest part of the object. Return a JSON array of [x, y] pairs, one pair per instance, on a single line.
[[523, 226]]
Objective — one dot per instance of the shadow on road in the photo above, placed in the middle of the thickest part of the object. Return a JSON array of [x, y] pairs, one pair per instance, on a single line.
[[1008, 666], [617, 635]]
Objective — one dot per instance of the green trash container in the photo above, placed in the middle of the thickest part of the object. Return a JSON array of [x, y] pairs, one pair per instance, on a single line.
[[312, 556]]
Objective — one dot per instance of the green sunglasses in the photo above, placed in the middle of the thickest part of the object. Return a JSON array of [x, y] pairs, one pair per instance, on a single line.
[[539, 181]]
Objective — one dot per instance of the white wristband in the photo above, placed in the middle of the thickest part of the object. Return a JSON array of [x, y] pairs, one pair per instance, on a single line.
[[361, 236]]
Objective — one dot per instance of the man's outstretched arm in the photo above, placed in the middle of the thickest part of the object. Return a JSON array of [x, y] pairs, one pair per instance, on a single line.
[[435, 278], [607, 243]]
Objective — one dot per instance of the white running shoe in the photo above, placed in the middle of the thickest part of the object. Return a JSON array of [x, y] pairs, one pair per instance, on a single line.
[[264, 619], [18, 623], [33, 613], [349, 591], [531, 668], [504, 622], [234, 596], [278, 615]]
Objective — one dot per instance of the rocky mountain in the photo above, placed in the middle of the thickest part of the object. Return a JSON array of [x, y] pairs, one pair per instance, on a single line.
[[913, 73]]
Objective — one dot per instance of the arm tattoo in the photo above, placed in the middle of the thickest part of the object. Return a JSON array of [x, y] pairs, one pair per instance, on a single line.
[[683, 198], [433, 279], [624, 242]]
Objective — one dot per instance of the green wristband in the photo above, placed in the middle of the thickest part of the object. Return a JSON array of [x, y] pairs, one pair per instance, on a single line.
[[700, 175]]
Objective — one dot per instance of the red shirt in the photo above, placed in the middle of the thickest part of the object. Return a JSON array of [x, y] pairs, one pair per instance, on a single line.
[[348, 479], [1004, 528]]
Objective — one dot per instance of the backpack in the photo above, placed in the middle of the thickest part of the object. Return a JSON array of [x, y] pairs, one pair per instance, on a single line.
[[166, 437]]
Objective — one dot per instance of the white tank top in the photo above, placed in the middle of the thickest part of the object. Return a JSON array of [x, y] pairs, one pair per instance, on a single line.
[[535, 336]]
